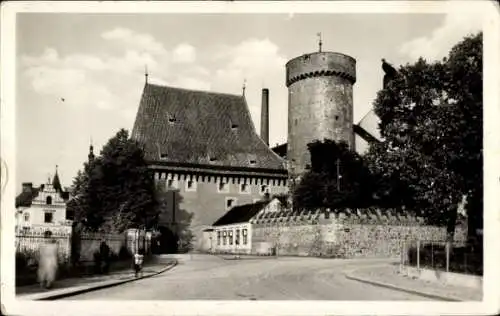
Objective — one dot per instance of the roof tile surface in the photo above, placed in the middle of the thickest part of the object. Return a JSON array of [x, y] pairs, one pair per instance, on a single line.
[[188, 126]]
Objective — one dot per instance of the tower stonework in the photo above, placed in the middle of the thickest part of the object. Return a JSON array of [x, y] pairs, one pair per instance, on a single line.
[[320, 104]]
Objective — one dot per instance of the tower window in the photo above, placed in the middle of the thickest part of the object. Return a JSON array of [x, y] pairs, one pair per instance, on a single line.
[[172, 119], [48, 200], [48, 217], [191, 185], [336, 117], [26, 217], [264, 189], [171, 184], [223, 187], [244, 188], [230, 202]]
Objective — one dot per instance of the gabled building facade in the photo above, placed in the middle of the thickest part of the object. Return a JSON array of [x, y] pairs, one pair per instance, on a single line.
[[203, 148], [42, 209]]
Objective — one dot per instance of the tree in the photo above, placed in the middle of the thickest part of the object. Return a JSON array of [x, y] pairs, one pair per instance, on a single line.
[[116, 190], [431, 121], [337, 178]]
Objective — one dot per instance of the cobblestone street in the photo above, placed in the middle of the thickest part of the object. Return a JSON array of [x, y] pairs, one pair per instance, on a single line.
[[204, 277]]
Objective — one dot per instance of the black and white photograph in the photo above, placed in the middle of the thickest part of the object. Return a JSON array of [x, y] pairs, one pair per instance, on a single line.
[[277, 157]]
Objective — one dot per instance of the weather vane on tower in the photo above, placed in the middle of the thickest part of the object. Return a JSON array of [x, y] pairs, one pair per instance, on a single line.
[[146, 72], [244, 85], [320, 42]]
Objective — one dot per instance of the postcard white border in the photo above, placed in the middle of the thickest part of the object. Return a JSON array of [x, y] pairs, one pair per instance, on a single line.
[[490, 303]]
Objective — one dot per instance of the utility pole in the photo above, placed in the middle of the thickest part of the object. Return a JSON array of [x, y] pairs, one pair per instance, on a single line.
[[338, 174]]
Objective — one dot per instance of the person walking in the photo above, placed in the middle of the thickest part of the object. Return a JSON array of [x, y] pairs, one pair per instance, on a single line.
[[138, 261], [105, 256], [47, 264]]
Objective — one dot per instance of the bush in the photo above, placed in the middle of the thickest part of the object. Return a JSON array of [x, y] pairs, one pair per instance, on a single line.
[[124, 253], [462, 259], [26, 259]]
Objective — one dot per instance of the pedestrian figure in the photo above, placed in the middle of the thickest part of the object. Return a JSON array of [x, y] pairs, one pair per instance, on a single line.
[[104, 252], [47, 264], [138, 260]]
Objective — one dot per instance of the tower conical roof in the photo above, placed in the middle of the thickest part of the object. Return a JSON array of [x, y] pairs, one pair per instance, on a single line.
[[56, 183]]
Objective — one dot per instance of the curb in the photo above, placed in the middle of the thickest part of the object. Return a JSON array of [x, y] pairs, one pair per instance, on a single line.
[[90, 288], [402, 289], [248, 258]]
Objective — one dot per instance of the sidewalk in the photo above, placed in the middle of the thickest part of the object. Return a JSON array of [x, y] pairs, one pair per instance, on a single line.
[[388, 276], [73, 286]]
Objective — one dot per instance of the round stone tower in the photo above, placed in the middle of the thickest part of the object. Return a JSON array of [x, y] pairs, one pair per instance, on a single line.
[[320, 104]]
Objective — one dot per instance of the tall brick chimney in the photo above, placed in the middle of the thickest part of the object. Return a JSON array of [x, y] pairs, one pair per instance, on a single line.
[[264, 117]]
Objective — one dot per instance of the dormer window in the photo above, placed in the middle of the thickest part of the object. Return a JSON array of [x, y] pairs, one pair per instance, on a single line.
[[234, 126], [252, 159], [48, 200], [172, 119]]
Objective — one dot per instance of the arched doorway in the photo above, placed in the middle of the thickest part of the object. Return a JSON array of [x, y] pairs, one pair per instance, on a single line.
[[166, 242]]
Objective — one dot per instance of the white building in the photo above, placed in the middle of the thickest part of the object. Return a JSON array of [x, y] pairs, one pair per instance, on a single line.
[[42, 209], [232, 233]]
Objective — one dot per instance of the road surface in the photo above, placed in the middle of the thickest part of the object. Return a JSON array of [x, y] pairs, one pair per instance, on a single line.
[[205, 277]]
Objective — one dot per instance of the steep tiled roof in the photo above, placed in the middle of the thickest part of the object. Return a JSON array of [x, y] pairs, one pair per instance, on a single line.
[[241, 213], [186, 126], [26, 197]]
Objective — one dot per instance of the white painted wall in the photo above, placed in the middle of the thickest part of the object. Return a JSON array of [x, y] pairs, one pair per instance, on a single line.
[[33, 217]]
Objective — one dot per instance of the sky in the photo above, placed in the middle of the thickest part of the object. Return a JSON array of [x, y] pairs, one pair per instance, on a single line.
[[79, 77]]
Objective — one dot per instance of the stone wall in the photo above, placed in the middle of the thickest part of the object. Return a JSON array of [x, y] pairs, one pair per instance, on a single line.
[[347, 235]]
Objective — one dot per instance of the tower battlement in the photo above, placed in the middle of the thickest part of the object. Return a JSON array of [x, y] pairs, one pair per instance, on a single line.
[[321, 64]]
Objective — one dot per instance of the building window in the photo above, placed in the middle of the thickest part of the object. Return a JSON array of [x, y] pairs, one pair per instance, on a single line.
[[237, 238], [224, 238], [244, 188], [264, 189], [26, 217], [245, 232], [230, 202], [230, 237], [223, 187], [191, 185], [49, 200], [218, 238], [172, 184], [49, 217]]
